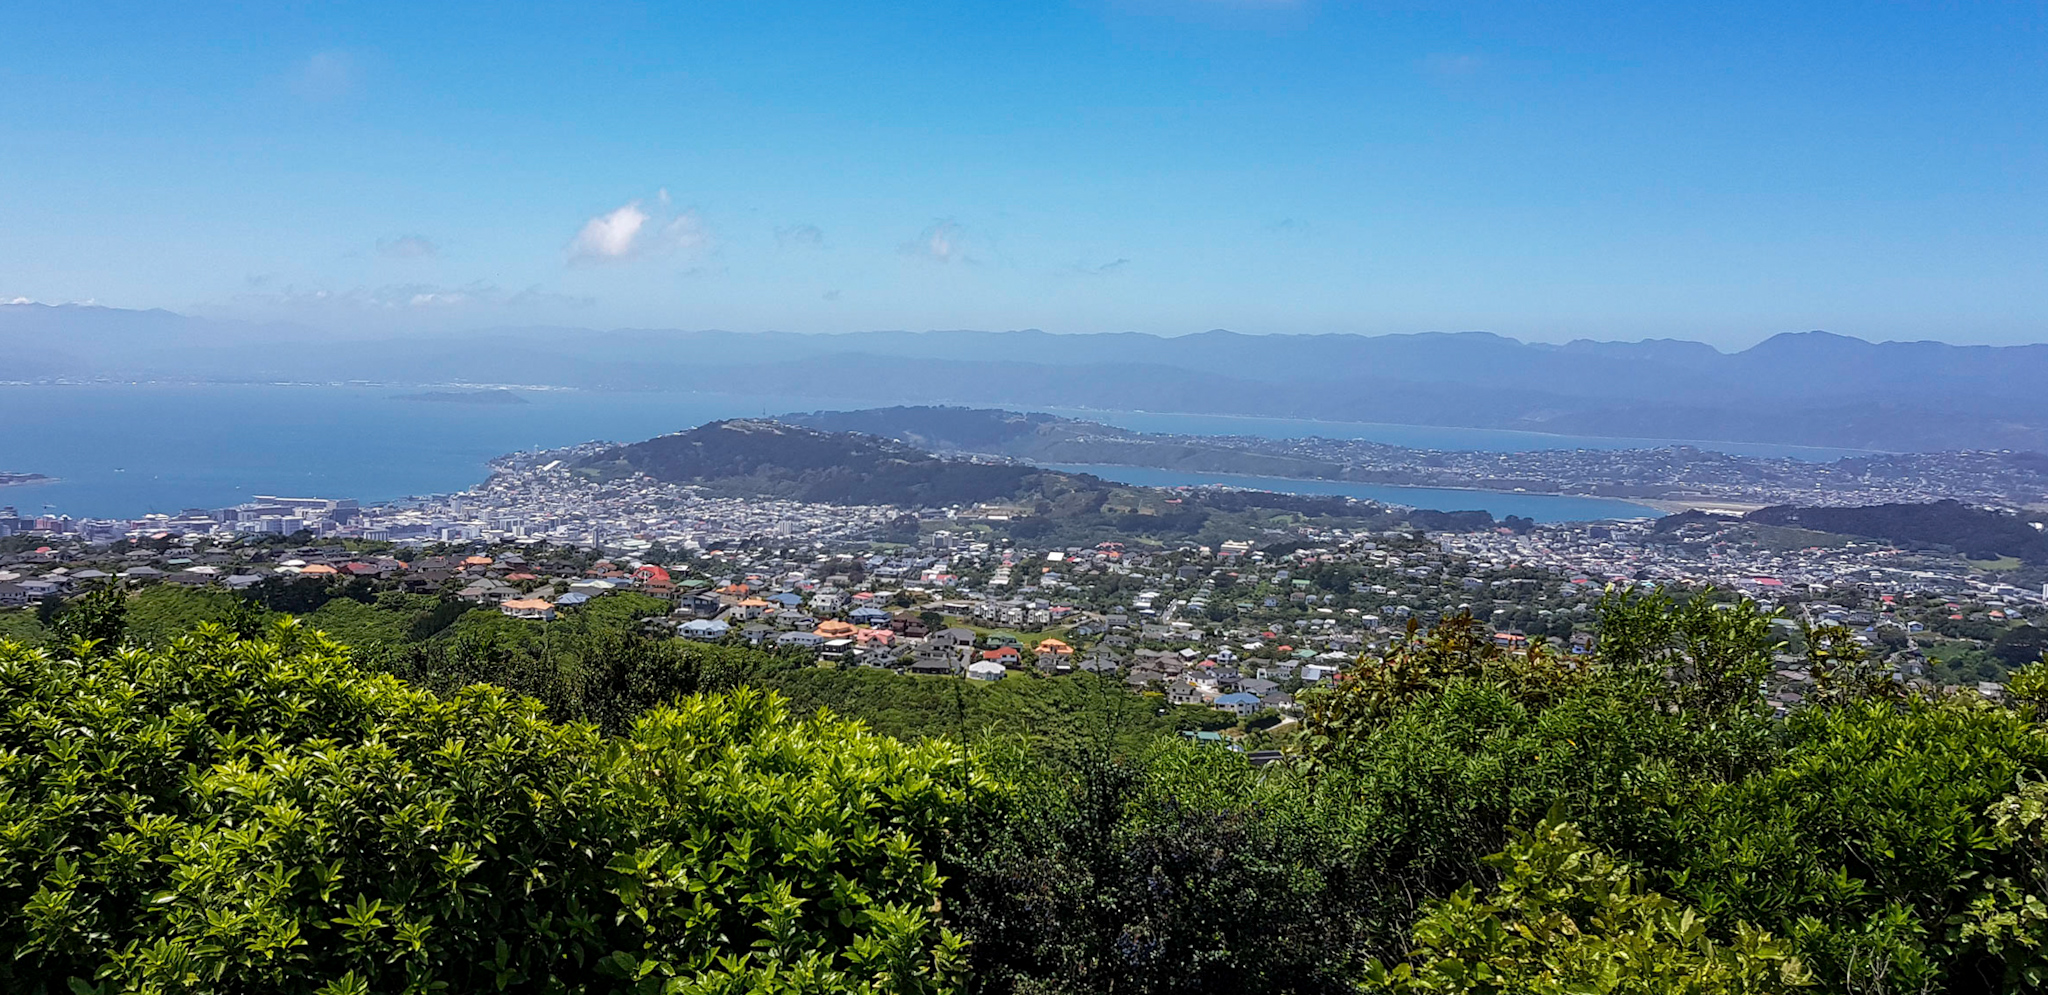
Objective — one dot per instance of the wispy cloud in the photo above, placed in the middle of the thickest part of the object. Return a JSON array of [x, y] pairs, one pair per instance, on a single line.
[[87, 302], [407, 247], [326, 76], [1110, 268], [633, 230], [943, 241], [396, 299], [684, 233], [799, 237], [1452, 65]]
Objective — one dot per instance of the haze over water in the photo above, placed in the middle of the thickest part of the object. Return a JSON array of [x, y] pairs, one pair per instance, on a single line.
[[122, 450]]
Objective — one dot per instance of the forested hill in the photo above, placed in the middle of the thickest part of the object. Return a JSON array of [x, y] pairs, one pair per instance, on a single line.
[[772, 459], [1044, 438], [944, 428], [1974, 532]]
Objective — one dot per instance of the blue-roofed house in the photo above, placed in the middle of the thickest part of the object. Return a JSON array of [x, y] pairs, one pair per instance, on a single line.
[[1239, 703]]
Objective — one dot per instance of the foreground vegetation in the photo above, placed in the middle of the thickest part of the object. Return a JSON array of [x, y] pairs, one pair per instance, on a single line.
[[244, 805]]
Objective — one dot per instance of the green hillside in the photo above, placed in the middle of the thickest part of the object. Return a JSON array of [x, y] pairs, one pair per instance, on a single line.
[[480, 803]]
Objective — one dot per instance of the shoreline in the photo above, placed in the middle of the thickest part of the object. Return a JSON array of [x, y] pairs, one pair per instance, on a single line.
[[1651, 503]]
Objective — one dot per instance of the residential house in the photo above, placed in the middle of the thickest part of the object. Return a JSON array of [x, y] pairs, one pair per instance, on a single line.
[[1239, 704], [533, 608], [954, 637], [704, 629], [488, 591], [933, 659]]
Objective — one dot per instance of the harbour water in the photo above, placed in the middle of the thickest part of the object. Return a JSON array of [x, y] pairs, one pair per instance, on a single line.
[[121, 450], [1441, 437]]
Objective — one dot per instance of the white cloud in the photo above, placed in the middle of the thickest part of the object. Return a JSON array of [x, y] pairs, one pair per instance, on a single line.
[[943, 241], [608, 236], [407, 247], [631, 231]]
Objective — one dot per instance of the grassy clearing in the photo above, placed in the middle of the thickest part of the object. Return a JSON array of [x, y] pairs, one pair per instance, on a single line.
[[2000, 565]]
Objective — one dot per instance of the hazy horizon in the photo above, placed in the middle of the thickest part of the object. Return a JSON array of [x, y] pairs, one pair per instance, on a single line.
[[376, 332]]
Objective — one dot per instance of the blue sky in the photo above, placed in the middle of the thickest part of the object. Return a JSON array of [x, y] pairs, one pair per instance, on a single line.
[[1546, 171]]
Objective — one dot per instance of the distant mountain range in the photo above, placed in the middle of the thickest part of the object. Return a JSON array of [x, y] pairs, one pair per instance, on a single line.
[[1807, 388]]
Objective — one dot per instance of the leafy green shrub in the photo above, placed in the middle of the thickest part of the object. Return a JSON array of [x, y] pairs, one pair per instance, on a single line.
[[1568, 919], [229, 815], [1446, 775], [1869, 838]]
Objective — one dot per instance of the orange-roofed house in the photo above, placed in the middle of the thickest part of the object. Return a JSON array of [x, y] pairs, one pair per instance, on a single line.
[[318, 570], [833, 628], [533, 608], [476, 561], [1005, 655], [1050, 645]]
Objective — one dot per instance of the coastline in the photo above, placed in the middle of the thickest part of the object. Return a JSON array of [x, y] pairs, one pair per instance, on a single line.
[[1709, 505], [1262, 482]]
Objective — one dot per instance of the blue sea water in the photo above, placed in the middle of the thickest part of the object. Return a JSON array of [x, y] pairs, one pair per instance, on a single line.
[[1540, 507], [1440, 437], [122, 450]]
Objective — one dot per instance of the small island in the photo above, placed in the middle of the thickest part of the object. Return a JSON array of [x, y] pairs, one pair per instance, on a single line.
[[24, 478], [497, 395]]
